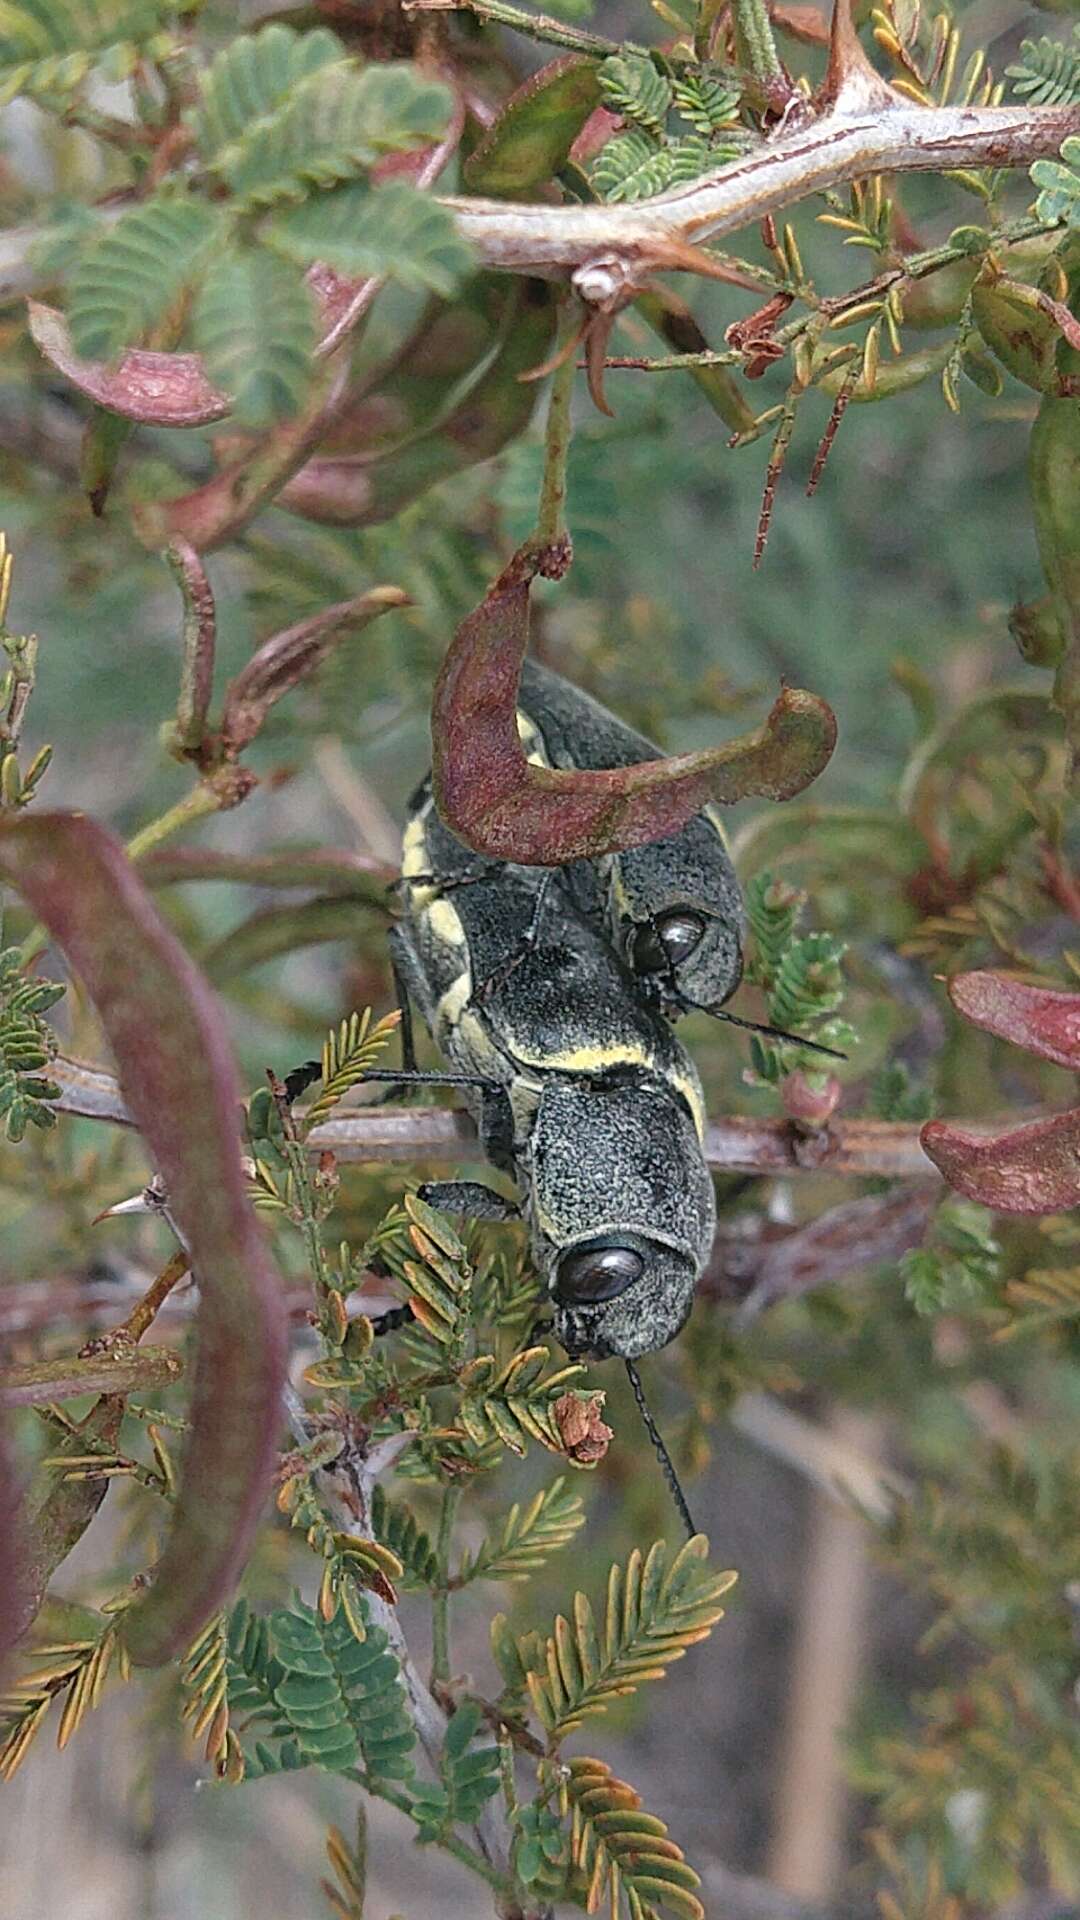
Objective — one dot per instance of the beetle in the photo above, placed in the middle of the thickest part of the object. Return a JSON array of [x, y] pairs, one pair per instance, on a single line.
[[673, 910], [579, 1090]]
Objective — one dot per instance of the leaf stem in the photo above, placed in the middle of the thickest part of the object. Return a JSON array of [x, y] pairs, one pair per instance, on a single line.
[[450, 1842], [440, 1612], [551, 512]]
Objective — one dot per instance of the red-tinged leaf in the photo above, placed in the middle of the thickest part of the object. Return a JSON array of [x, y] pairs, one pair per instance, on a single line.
[[220, 510], [179, 1082], [1042, 1020], [289, 657], [494, 800], [536, 128], [1032, 1169], [367, 486], [155, 389]]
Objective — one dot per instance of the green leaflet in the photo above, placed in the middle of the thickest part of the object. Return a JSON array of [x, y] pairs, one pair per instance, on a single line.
[[392, 232], [252, 78], [527, 1536], [47, 47], [468, 1777], [320, 1696], [656, 1608], [331, 126], [1059, 198], [1047, 73], [396, 1527], [27, 1045], [254, 324], [632, 86], [131, 275], [624, 1852]]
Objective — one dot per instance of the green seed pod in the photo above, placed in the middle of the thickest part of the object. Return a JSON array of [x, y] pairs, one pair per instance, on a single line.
[[1022, 337], [1055, 495], [1038, 633]]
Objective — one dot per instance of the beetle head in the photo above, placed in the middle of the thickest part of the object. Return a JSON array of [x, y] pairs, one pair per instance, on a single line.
[[621, 1294]]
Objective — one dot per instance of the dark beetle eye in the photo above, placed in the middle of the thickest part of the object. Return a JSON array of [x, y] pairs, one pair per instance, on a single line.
[[586, 1278], [666, 941]]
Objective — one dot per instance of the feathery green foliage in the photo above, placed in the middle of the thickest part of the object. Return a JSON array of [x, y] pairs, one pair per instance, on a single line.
[[349, 1050], [961, 1264], [316, 1695], [398, 1528], [1047, 72], [527, 1536], [127, 282], [48, 47], [329, 127], [624, 1854], [656, 1607], [468, 1777], [254, 324], [634, 87], [390, 232], [515, 1403], [27, 1045], [1058, 181]]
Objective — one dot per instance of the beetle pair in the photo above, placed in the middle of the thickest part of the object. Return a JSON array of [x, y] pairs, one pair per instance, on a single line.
[[548, 989], [550, 992]]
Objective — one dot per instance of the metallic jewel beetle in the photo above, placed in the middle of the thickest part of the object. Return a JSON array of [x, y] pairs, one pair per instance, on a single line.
[[582, 1092]]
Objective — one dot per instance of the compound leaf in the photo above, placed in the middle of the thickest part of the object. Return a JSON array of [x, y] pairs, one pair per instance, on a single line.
[[392, 232], [134, 272], [254, 325]]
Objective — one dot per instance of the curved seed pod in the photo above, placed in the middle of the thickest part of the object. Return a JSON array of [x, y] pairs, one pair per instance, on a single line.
[[499, 804], [1023, 337], [157, 389], [356, 490], [536, 128], [1054, 468], [179, 1082], [1032, 1169], [1043, 1020]]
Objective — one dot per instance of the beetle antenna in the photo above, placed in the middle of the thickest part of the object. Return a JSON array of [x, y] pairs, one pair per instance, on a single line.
[[662, 1454], [776, 1033]]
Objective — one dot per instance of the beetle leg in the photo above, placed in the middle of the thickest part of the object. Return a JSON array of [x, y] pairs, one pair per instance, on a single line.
[[470, 1197], [529, 940]]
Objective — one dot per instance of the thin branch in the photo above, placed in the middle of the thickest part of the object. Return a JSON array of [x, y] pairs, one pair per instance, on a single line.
[[734, 1143], [41, 1381]]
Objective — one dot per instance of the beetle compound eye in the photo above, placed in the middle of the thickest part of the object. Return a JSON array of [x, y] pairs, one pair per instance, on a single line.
[[680, 933], [585, 1278], [666, 941]]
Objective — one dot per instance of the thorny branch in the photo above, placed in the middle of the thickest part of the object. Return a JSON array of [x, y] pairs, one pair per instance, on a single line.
[[733, 1144]]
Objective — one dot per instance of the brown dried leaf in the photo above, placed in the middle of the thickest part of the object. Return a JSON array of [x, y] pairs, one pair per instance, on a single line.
[[585, 1436], [289, 657]]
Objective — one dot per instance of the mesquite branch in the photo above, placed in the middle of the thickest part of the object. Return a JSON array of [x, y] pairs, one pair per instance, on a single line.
[[830, 152], [733, 1143]]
